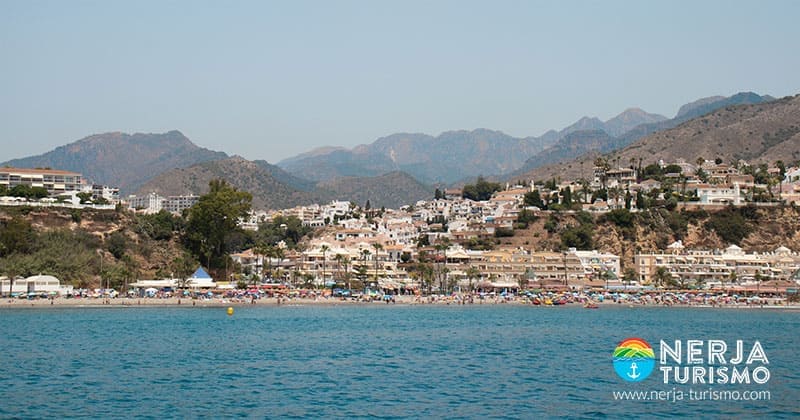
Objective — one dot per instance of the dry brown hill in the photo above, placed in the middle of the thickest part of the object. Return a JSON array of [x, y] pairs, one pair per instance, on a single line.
[[268, 192], [758, 133]]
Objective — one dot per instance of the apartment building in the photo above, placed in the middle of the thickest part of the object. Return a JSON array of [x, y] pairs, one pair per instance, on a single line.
[[54, 181], [692, 267]]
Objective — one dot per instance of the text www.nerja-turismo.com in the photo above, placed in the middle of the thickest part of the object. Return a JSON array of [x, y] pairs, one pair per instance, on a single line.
[[676, 395]]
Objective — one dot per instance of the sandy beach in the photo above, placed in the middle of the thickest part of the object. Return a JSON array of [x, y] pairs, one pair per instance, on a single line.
[[403, 300]]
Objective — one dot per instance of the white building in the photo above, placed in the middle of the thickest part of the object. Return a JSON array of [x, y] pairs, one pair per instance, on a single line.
[[35, 284]]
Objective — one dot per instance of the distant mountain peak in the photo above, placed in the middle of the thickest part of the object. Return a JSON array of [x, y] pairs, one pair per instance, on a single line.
[[629, 119], [121, 159]]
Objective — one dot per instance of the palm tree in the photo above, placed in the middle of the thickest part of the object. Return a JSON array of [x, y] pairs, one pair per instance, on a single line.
[[442, 245], [781, 174], [604, 166], [758, 278], [613, 194], [585, 189], [378, 247], [278, 253], [662, 277], [262, 249], [344, 260], [731, 279], [324, 249], [364, 255], [12, 268], [472, 273]]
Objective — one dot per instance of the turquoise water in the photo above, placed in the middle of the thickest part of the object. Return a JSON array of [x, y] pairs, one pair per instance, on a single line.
[[365, 361]]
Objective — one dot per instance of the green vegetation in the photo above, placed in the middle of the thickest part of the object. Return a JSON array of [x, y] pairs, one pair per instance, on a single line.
[[481, 190], [25, 191], [580, 236], [212, 222], [160, 226], [620, 217], [730, 225], [289, 229]]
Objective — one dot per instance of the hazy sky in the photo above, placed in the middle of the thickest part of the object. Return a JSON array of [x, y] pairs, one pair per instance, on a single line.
[[268, 80]]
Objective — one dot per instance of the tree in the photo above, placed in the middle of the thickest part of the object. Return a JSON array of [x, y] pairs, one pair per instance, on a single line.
[[324, 248], [566, 197], [182, 267], [662, 277], [442, 245], [758, 278], [85, 197], [781, 174], [603, 165], [12, 266], [117, 244], [731, 278], [264, 250], [472, 273], [289, 229], [533, 199], [344, 260], [214, 219], [378, 247], [482, 190], [628, 199], [362, 269], [16, 236], [629, 276]]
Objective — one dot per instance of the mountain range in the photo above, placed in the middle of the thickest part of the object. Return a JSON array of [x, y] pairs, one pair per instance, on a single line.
[[757, 133], [400, 168], [273, 188], [123, 160], [600, 141], [452, 156]]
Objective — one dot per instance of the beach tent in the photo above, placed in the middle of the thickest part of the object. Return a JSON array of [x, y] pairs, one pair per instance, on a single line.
[[200, 273], [201, 279]]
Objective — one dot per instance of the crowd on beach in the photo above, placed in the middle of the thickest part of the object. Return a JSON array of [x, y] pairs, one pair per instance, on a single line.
[[591, 299]]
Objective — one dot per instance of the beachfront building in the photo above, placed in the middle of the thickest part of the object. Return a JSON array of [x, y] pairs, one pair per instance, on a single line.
[[35, 284], [199, 280], [705, 267], [54, 181], [569, 268]]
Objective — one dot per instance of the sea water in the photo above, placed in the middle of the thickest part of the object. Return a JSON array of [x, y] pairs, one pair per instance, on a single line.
[[366, 361]]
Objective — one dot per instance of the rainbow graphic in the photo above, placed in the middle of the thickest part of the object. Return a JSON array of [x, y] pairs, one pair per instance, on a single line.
[[634, 348], [634, 359]]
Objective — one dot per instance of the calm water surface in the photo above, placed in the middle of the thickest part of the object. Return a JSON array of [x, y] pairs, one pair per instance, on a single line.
[[373, 361]]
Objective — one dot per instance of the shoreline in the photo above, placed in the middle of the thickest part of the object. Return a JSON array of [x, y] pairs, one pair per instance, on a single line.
[[406, 301]]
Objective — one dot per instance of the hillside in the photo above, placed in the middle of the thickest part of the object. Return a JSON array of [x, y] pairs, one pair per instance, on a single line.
[[593, 142], [391, 190], [273, 188], [256, 178], [763, 230], [77, 245], [447, 158], [123, 160], [762, 132], [577, 143], [454, 156]]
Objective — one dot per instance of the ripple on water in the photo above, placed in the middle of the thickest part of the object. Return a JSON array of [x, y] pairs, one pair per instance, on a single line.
[[479, 361]]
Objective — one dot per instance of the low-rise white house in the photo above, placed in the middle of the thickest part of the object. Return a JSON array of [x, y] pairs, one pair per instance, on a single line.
[[35, 284]]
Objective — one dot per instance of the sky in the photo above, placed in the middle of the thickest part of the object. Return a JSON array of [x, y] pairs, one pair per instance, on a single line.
[[272, 79]]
